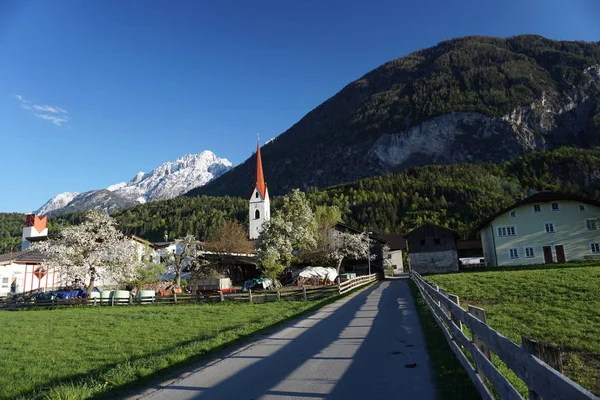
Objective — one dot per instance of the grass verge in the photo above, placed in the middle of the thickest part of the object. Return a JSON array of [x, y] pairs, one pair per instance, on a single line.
[[101, 352], [557, 304], [451, 379]]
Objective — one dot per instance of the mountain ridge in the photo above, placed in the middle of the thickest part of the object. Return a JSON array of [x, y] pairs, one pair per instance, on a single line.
[[168, 180], [471, 99]]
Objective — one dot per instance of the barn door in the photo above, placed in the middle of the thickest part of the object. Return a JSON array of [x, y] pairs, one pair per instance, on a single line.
[[548, 254], [560, 253]]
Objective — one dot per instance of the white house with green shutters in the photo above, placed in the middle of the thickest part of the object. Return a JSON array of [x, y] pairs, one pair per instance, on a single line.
[[547, 227]]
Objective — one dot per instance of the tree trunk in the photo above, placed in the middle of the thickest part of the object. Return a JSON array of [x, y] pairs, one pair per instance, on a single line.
[[178, 278], [338, 266], [90, 287]]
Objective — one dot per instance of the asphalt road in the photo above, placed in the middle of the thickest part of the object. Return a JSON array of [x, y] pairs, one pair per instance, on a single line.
[[365, 346]]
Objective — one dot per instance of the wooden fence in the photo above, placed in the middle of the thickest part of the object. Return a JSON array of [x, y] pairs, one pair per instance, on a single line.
[[287, 293], [543, 381]]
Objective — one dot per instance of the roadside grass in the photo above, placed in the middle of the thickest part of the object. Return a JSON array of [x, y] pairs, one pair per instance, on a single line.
[[99, 352], [451, 379], [558, 304]]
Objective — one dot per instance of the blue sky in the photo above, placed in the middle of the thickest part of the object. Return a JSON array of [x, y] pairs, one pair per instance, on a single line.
[[92, 92]]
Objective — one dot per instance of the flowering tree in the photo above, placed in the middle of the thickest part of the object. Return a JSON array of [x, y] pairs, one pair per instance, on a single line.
[[344, 245], [90, 251], [183, 256], [290, 231]]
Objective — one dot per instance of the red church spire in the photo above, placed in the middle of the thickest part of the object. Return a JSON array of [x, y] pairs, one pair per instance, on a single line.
[[260, 178]]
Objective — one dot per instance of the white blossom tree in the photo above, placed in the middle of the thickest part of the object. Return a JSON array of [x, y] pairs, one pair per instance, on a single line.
[[185, 255], [93, 250], [290, 231], [345, 245]]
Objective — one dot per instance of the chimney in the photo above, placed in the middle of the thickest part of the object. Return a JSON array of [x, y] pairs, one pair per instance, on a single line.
[[35, 228]]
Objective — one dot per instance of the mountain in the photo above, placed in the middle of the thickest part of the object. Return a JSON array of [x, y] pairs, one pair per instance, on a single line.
[[57, 202], [169, 180], [458, 196], [471, 99]]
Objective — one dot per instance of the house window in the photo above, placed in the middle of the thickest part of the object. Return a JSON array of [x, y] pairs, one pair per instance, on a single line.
[[595, 247], [513, 253], [591, 224], [507, 231], [256, 194], [555, 207], [513, 214], [537, 208], [549, 226], [582, 207], [436, 241], [256, 214], [529, 252]]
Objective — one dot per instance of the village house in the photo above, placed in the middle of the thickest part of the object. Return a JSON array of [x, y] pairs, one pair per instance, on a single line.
[[432, 249], [546, 227], [397, 248]]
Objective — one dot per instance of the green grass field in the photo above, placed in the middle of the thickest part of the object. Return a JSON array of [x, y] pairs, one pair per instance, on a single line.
[[558, 305], [77, 352]]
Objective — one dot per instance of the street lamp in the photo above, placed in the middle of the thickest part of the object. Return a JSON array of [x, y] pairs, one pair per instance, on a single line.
[[369, 256]]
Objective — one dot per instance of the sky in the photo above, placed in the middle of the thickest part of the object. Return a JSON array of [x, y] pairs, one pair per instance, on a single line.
[[91, 92]]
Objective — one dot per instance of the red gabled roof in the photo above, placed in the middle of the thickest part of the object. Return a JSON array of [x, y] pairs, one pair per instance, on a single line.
[[260, 178]]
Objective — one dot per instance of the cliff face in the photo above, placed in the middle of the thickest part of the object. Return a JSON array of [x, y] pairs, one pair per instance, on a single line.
[[476, 99]]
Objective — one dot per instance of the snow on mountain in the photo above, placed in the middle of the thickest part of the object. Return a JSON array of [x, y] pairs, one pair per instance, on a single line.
[[58, 201], [116, 186], [169, 180], [175, 178]]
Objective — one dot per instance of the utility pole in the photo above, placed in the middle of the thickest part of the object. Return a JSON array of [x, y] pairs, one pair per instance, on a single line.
[[369, 256]]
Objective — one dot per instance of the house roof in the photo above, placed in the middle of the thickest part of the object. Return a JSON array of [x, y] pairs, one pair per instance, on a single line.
[[396, 242], [345, 228], [230, 258], [452, 231], [540, 197], [22, 257]]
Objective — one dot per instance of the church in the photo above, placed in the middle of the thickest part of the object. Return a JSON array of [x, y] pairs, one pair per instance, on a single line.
[[260, 206]]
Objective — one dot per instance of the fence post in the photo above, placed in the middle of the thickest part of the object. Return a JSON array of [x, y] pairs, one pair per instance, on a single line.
[[304, 293], [112, 301], [174, 297], [437, 289], [442, 305], [130, 299], [94, 302], [479, 313], [278, 295], [547, 353], [221, 297], [250, 294], [454, 298], [339, 286]]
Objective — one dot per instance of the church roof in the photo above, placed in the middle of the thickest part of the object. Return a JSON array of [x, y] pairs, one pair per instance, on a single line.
[[260, 178]]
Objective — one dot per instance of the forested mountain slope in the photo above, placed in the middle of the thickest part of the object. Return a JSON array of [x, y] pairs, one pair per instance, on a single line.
[[458, 196], [471, 99]]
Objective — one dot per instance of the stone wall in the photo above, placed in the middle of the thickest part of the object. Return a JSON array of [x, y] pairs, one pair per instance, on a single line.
[[434, 262]]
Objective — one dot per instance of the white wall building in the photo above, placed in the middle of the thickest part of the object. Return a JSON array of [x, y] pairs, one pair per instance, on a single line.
[[260, 205]]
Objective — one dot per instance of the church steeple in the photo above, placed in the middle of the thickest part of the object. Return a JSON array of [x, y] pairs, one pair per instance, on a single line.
[[260, 206], [260, 178]]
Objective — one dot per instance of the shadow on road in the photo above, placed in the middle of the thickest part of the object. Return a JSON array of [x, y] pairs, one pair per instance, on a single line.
[[357, 349]]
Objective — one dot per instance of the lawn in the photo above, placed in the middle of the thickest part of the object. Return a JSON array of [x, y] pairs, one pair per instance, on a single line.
[[83, 352], [559, 304]]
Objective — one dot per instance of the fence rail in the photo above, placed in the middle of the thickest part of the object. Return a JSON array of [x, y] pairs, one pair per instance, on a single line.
[[301, 293], [543, 381]]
